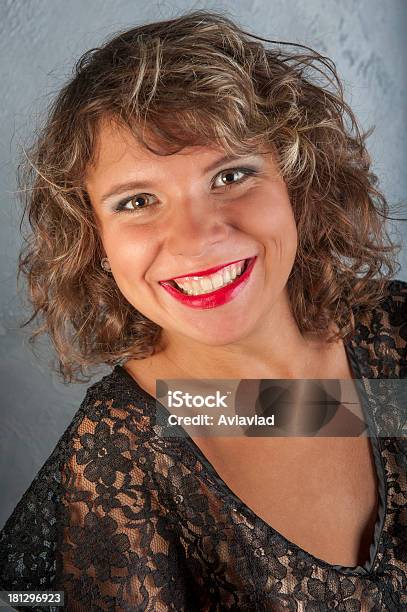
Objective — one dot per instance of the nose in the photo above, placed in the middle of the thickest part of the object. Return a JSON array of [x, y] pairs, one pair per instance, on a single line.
[[194, 229]]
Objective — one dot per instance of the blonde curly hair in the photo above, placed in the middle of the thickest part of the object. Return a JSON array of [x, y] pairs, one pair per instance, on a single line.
[[200, 79]]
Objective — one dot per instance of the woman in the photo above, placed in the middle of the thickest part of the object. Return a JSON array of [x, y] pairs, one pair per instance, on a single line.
[[185, 149]]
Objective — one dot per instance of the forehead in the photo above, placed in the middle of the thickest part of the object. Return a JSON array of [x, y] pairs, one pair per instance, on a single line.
[[117, 146]]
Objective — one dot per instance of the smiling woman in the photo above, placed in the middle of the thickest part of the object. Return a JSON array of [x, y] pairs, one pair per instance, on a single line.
[[182, 247], [199, 210]]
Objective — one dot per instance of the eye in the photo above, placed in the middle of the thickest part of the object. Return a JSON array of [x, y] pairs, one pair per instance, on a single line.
[[138, 202], [228, 177]]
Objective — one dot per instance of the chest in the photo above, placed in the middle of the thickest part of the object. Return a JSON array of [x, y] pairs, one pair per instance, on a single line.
[[320, 493]]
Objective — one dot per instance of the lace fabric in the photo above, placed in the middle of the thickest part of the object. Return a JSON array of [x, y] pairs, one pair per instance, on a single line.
[[121, 518]]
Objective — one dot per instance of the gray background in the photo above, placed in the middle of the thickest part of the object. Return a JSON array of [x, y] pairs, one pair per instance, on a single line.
[[39, 42]]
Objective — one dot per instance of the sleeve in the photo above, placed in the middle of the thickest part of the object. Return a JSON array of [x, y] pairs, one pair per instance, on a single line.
[[29, 539], [96, 525], [119, 549]]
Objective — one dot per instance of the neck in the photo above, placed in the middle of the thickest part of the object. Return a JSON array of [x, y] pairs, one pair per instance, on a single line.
[[288, 355]]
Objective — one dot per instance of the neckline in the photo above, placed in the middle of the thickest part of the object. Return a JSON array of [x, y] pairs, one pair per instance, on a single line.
[[238, 503]]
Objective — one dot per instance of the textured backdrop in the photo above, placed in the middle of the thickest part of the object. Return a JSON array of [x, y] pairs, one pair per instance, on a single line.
[[39, 42]]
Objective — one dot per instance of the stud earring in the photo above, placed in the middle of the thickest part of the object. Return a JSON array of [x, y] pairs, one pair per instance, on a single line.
[[104, 262]]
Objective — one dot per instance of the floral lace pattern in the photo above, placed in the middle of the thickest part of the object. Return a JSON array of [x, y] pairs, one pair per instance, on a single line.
[[121, 518]]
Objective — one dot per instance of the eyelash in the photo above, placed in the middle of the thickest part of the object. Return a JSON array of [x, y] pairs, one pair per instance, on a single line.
[[248, 172]]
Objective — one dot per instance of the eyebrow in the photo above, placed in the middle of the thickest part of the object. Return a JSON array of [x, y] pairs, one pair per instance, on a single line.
[[137, 184]]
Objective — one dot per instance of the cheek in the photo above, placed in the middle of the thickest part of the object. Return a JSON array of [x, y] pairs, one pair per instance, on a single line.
[[129, 249], [269, 215], [278, 234]]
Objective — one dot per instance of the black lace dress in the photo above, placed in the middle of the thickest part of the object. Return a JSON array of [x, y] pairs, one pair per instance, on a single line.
[[121, 518]]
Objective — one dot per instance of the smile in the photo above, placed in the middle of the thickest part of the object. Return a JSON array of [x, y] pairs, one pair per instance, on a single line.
[[213, 287]]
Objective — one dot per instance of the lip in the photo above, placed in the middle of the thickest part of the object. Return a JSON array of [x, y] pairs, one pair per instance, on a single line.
[[204, 272], [215, 298]]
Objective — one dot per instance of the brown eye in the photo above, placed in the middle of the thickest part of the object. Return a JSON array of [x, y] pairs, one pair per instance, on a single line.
[[138, 203], [232, 176]]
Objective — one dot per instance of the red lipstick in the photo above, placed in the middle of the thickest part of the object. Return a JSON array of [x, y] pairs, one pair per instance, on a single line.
[[215, 298], [203, 272]]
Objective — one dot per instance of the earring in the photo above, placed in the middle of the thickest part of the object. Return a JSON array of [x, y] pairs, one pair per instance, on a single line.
[[104, 262]]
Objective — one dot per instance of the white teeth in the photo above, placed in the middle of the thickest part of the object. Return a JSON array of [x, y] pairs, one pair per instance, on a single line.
[[226, 275], [206, 284], [217, 281], [196, 287]]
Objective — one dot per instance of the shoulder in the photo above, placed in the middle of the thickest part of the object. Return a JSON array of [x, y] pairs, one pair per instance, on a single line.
[[112, 430], [395, 291], [120, 432], [398, 286], [390, 313], [106, 470], [113, 401], [390, 316], [380, 338]]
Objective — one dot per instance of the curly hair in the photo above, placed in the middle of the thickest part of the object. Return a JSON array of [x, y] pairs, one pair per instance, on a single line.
[[200, 79]]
